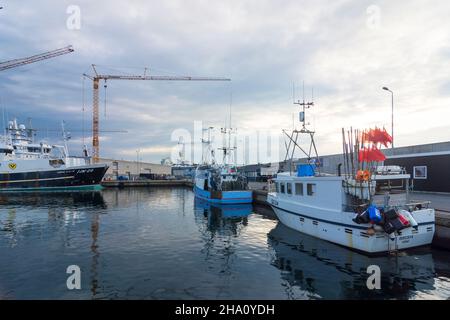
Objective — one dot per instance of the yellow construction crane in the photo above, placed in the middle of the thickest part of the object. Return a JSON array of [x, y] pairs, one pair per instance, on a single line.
[[38, 57], [95, 109]]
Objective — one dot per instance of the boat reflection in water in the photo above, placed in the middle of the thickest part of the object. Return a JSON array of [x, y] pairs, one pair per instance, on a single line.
[[62, 200], [66, 211], [329, 271], [220, 227], [223, 219], [222, 214]]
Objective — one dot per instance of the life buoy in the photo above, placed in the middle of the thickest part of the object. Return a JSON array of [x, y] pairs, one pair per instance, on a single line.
[[359, 175], [366, 175], [362, 175]]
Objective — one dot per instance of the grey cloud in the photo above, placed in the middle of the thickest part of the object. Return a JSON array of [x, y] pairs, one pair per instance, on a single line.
[[262, 45]]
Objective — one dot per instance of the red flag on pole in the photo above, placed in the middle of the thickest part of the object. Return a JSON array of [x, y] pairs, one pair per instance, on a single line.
[[371, 154], [377, 136]]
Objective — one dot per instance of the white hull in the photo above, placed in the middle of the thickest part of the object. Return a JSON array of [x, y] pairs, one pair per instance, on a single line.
[[338, 227]]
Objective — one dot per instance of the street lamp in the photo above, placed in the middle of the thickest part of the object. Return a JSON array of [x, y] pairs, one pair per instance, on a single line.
[[392, 115]]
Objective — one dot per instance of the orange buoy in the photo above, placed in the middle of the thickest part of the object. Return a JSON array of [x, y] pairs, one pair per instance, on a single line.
[[366, 175]]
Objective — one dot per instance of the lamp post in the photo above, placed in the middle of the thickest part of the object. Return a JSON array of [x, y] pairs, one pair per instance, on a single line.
[[392, 114]]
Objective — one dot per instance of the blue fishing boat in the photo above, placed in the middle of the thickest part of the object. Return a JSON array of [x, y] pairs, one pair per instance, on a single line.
[[221, 183]]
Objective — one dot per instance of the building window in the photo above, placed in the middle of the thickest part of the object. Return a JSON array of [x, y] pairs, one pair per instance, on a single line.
[[420, 172], [282, 187], [299, 189], [289, 188], [311, 189]]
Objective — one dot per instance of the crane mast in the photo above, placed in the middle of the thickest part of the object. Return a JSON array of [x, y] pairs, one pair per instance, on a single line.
[[38, 57], [96, 78]]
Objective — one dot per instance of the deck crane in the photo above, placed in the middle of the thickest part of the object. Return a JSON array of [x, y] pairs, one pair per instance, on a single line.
[[38, 57], [95, 108]]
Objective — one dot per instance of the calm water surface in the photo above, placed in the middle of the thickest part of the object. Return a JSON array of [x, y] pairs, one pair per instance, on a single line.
[[162, 243]]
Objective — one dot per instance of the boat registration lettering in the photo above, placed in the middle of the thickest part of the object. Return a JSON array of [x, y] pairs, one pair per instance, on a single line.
[[64, 172], [85, 170], [405, 238]]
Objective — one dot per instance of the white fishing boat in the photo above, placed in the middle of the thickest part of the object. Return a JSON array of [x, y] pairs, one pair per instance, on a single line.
[[366, 208], [26, 165]]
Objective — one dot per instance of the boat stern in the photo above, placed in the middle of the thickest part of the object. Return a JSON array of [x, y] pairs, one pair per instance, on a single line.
[[239, 196], [225, 197]]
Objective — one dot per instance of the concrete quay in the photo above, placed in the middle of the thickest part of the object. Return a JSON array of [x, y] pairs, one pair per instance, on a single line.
[[145, 183]]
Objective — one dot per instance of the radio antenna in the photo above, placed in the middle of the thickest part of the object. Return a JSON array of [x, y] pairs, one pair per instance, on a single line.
[[311, 152]]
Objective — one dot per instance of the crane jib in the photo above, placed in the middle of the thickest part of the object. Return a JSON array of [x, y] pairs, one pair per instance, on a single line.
[[164, 78], [38, 57], [96, 78]]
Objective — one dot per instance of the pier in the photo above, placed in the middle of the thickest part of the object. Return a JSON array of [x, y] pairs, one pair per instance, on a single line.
[[145, 183]]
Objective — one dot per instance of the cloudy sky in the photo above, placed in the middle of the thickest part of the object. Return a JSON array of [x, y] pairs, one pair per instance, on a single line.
[[346, 50]]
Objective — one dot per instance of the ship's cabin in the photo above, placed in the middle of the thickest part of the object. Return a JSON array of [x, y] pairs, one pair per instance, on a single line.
[[389, 187], [6, 149]]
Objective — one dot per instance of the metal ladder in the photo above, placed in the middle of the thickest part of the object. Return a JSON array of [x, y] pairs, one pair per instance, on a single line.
[[393, 251]]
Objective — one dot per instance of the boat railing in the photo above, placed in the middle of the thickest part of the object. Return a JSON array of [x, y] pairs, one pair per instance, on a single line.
[[421, 204], [411, 206]]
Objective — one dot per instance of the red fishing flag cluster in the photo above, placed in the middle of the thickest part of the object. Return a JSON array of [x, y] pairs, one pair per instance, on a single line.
[[376, 136], [371, 154], [372, 138]]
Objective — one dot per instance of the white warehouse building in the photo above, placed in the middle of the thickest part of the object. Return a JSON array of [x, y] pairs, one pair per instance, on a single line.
[[134, 169]]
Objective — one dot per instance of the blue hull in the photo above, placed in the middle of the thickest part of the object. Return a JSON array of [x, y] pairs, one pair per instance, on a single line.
[[226, 210], [225, 197]]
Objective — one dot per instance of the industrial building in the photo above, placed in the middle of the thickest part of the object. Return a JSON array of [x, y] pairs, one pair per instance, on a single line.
[[183, 171], [428, 164], [133, 169]]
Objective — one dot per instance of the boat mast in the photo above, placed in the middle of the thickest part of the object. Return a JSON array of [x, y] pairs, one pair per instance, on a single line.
[[293, 137], [65, 138], [229, 152], [227, 149], [206, 147]]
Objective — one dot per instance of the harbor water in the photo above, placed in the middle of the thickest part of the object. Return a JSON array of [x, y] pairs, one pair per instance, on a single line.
[[162, 243]]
